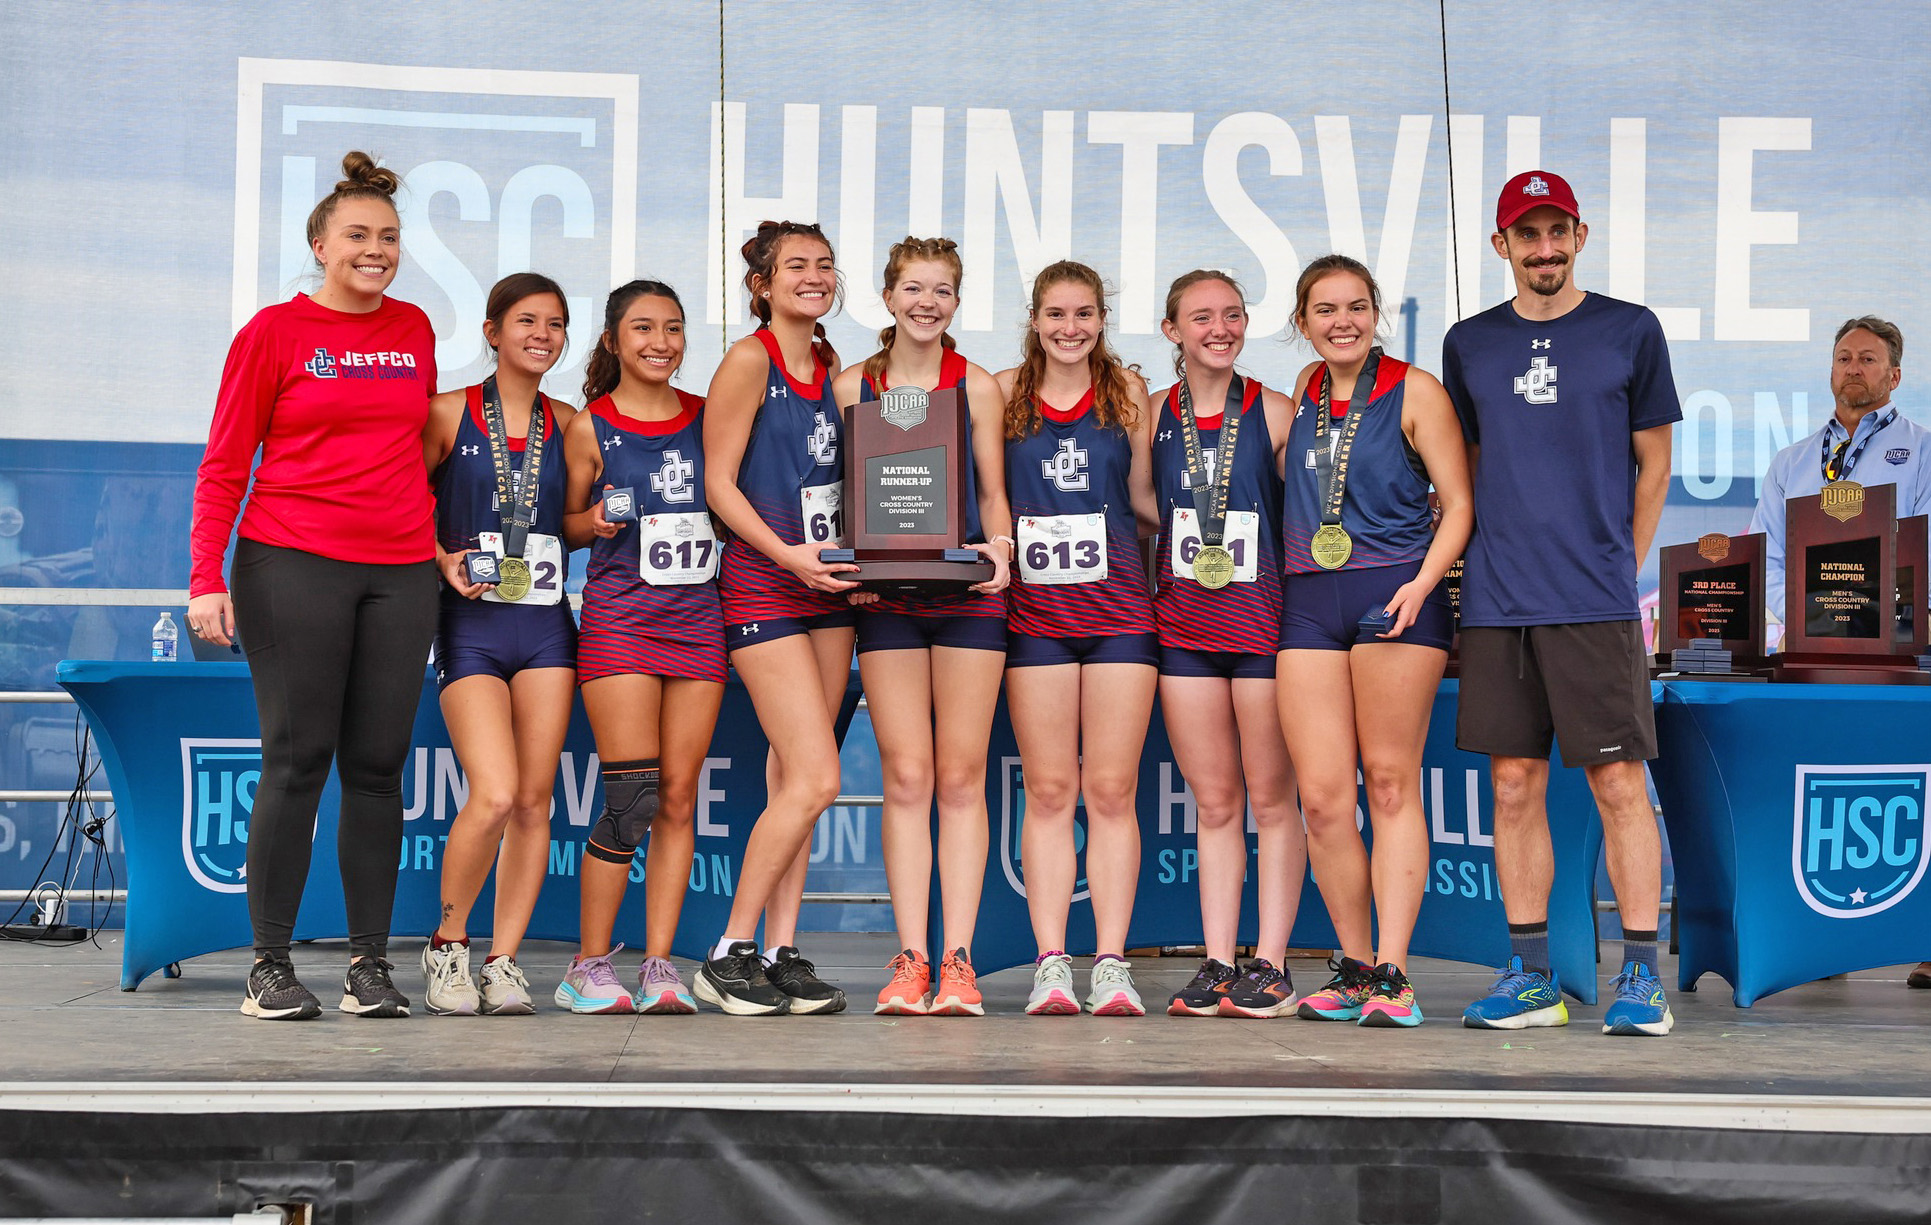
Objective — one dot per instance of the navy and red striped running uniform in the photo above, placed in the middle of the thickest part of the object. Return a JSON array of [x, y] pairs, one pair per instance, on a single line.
[[952, 374], [1072, 465], [629, 625], [1241, 617], [465, 483], [1385, 507], [797, 443]]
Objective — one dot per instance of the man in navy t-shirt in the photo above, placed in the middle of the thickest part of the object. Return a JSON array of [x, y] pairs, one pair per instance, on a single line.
[[1567, 401]]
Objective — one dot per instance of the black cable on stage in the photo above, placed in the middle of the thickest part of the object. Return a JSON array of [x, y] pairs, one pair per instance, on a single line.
[[1448, 121], [91, 829]]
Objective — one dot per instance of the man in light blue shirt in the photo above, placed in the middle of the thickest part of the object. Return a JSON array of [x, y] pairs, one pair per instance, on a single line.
[[1866, 440]]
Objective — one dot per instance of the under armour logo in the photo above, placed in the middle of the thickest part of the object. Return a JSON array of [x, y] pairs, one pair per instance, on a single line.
[[1543, 343], [1067, 468], [615, 440], [821, 439], [748, 630], [1536, 186], [1537, 385], [468, 449], [322, 366], [673, 480]]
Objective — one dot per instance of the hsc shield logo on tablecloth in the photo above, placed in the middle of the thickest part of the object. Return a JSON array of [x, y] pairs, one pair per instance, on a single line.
[[218, 782], [1859, 844], [1012, 824]]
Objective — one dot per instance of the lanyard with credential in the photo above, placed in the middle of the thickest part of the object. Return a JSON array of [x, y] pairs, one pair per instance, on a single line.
[[1837, 465]]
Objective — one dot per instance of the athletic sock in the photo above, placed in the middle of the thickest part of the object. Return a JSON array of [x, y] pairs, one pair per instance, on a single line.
[[437, 942], [1108, 957], [1041, 959], [723, 946], [1530, 942], [1640, 947]]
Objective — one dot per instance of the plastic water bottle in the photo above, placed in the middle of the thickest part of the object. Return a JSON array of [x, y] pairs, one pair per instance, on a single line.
[[166, 639]]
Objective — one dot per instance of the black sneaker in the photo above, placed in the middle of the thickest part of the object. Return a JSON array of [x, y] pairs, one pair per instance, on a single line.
[[798, 978], [736, 983], [1262, 991], [274, 993], [367, 991], [1202, 996]]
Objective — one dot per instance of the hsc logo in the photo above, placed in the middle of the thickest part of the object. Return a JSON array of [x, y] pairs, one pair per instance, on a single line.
[[1859, 844], [218, 782], [1012, 825], [502, 170]]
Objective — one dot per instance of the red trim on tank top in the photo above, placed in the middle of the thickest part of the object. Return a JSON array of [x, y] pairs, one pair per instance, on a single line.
[[1387, 376], [473, 396], [771, 349], [1065, 416], [952, 373], [688, 407], [1250, 394]]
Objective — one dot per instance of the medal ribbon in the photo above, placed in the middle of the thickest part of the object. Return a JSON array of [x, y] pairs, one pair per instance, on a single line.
[[517, 511], [1331, 467], [1838, 466], [1210, 499]]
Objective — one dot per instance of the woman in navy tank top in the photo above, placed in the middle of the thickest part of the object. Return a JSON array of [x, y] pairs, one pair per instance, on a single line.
[[1081, 653], [651, 660], [774, 473], [1217, 643], [1365, 626], [506, 661], [932, 665]]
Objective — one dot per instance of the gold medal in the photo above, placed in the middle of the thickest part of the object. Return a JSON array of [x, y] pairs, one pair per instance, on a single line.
[[1213, 567], [1331, 546], [514, 582]]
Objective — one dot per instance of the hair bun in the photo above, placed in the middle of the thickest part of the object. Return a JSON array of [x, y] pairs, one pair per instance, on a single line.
[[360, 172]]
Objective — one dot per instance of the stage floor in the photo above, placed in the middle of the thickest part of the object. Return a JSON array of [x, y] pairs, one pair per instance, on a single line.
[[67, 1021]]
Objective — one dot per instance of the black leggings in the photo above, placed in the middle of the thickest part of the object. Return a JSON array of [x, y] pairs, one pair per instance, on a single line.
[[337, 652]]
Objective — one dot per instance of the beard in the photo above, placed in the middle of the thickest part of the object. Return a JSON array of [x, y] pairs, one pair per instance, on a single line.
[[1548, 280]]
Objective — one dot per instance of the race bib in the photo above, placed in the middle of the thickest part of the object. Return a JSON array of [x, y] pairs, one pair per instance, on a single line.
[[821, 508], [677, 549], [1241, 537], [545, 555], [1060, 549]]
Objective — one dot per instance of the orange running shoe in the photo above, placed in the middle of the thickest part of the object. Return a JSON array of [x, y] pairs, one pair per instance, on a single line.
[[958, 994], [909, 994]]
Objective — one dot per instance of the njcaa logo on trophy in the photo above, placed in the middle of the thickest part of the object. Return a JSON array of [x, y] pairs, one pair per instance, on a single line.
[[904, 407], [1859, 844], [1714, 546], [218, 782], [1842, 500], [1012, 826]]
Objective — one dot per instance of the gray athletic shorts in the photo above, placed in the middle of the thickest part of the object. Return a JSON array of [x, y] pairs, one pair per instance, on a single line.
[[1584, 686]]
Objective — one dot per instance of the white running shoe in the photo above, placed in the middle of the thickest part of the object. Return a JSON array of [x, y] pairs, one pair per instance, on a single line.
[[450, 992], [506, 993], [1053, 988], [1113, 994]]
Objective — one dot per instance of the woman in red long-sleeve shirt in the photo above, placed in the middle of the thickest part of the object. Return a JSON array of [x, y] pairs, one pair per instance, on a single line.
[[334, 577]]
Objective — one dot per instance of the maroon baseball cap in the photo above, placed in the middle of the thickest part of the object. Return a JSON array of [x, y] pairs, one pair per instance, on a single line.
[[1533, 189]]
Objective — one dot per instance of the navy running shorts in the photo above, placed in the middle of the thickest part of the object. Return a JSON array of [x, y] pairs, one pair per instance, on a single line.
[[770, 629], [1178, 661], [484, 638], [1322, 611], [896, 631], [1026, 651]]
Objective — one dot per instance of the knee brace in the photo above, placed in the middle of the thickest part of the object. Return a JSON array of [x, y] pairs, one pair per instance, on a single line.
[[629, 806]]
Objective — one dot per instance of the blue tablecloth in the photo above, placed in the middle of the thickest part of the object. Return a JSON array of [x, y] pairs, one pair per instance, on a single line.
[[180, 746], [1796, 820]]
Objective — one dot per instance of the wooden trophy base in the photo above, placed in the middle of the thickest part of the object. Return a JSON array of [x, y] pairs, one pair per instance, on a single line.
[[1810, 669], [938, 572]]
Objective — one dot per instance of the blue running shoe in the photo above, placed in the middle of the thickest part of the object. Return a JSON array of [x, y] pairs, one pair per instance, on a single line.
[[1519, 1000], [1640, 1008]]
